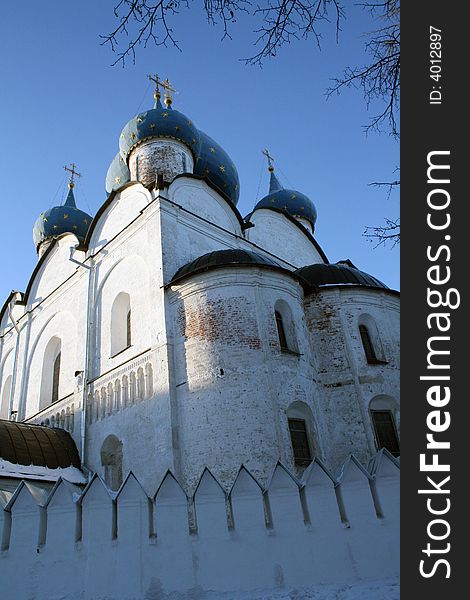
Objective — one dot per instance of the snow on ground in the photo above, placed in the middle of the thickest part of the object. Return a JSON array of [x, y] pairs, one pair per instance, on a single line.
[[72, 474], [388, 589]]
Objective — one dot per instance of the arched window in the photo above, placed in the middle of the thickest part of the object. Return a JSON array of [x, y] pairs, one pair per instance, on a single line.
[[111, 460], [281, 331], [367, 344], [371, 340], [55, 378], [285, 327], [121, 323], [6, 391], [50, 380], [384, 414], [302, 433], [299, 440], [128, 328]]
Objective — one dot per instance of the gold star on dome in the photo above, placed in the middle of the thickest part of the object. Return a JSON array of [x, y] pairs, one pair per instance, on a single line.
[[285, 207], [140, 120], [273, 200], [293, 197], [152, 125], [164, 115], [222, 168], [302, 208], [54, 226], [212, 149], [74, 227], [85, 221], [206, 171], [66, 216], [45, 219], [194, 140], [190, 123], [117, 180], [178, 128]]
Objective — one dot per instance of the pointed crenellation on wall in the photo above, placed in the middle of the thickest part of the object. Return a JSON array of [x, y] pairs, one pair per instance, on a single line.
[[246, 501], [285, 505], [319, 488], [5, 519], [171, 510], [99, 515], [28, 518], [64, 523], [210, 504], [119, 548], [385, 470], [134, 511], [358, 492]]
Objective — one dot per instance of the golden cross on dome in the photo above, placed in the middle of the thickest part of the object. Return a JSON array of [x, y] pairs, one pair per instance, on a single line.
[[156, 79], [73, 172], [167, 89], [270, 160]]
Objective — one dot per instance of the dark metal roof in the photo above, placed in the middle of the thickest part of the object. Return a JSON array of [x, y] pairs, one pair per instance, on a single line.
[[24, 444], [338, 274], [224, 258]]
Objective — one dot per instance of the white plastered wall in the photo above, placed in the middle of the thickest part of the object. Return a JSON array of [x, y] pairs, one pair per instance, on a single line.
[[277, 234]]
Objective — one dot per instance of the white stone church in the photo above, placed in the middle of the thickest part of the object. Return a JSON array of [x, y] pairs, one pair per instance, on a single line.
[[171, 343]]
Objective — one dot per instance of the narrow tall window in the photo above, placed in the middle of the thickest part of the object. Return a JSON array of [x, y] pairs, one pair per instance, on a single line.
[[281, 331], [385, 431], [128, 336], [50, 380], [55, 378], [121, 323], [299, 439], [5, 402], [367, 344]]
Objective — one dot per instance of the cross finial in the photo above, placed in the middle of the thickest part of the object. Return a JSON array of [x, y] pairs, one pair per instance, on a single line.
[[168, 89], [270, 160], [73, 172], [156, 79]]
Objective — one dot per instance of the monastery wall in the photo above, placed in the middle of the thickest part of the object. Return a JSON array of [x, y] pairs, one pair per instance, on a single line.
[[92, 545]]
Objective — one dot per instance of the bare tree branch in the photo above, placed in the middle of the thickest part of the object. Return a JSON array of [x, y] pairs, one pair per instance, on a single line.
[[282, 22], [380, 78], [384, 234]]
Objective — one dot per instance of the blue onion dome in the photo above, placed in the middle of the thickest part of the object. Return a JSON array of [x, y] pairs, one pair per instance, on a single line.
[[159, 122], [215, 165], [61, 219], [294, 203], [118, 174], [340, 273]]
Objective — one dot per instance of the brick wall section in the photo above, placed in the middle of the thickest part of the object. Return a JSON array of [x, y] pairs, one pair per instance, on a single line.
[[229, 320]]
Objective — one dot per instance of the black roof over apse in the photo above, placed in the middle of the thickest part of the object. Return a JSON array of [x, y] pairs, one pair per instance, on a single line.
[[223, 258], [341, 273], [25, 444]]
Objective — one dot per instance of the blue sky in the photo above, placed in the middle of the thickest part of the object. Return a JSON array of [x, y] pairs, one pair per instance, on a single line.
[[62, 101]]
